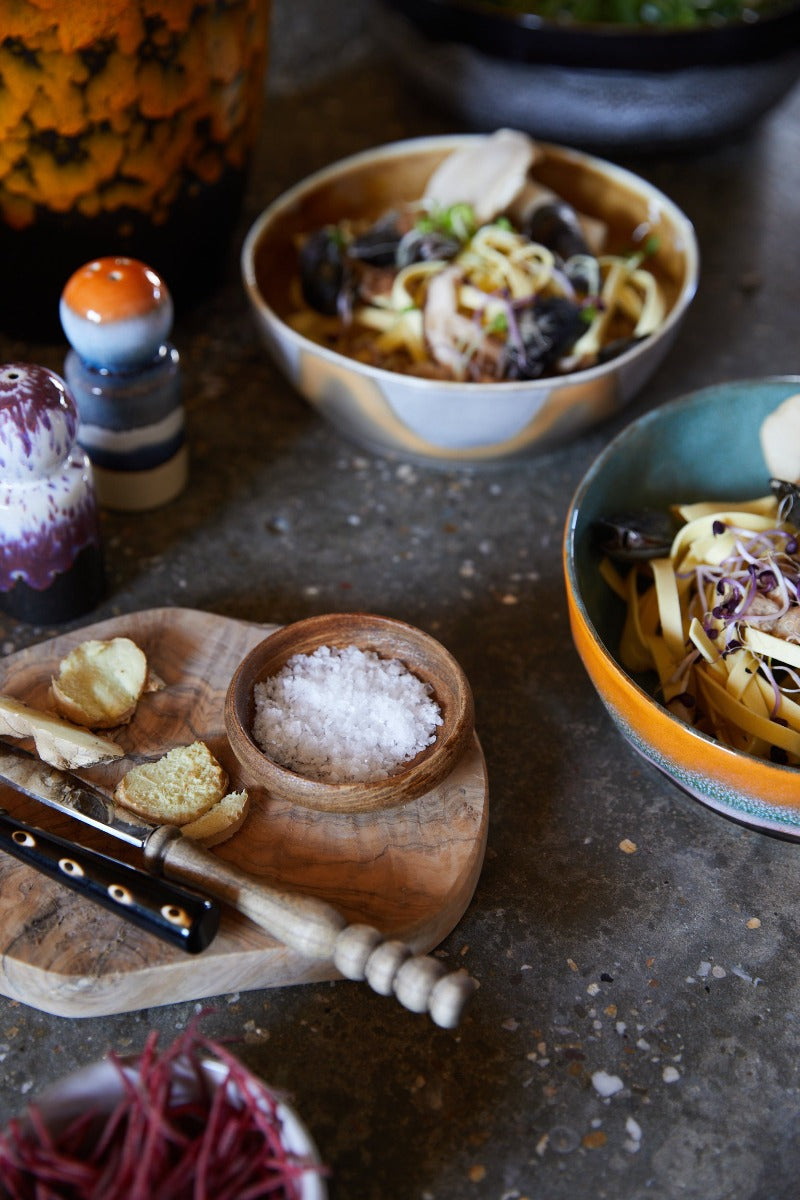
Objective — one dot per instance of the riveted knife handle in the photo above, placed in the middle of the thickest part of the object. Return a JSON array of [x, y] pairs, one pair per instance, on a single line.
[[178, 916]]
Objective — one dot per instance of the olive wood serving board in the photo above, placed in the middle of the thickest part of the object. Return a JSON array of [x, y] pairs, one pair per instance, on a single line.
[[410, 871]]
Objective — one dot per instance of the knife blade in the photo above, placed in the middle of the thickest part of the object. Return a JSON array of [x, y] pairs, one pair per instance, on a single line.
[[304, 923]]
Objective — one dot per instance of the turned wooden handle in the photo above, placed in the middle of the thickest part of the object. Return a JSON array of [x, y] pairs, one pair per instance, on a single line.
[[317, 930]]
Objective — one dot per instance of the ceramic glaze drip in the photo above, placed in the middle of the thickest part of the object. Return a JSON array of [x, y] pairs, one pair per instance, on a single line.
[[38, 423], [45, 526], [50, 552], [117, 314]]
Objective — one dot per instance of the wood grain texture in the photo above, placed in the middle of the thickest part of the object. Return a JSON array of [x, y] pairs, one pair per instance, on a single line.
[[409, 870]]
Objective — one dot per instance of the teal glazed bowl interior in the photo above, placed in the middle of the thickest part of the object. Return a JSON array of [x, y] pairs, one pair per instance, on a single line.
[[703, 446]]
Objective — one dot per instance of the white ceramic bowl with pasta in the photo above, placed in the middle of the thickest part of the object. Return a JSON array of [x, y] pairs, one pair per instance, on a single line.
[[444, 421]]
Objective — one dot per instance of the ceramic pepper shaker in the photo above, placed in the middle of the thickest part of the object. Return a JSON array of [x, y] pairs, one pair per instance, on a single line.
[[125, 375], [51, 563]]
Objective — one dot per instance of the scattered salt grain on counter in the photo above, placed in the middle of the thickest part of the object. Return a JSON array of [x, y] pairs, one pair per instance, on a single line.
[[633, 1141], [605, 1084], [342, 714]]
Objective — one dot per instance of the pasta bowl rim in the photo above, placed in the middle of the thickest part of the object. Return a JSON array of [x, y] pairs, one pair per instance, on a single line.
[[421, 654], [574, 401], [752, 791]]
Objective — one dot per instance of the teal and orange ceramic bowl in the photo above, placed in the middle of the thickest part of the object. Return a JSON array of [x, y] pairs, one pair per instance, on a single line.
[[702, 446]]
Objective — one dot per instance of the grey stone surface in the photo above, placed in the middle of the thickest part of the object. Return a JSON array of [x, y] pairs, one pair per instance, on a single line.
[[674, 969]]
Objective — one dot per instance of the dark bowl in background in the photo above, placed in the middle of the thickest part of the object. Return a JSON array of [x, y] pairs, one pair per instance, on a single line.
[[594, 86]]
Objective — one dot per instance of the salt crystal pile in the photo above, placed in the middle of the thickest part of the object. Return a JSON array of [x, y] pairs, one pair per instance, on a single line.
[[343, 714]]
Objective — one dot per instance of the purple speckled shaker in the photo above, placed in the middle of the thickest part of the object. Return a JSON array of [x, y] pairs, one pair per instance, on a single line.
[[51, 563]]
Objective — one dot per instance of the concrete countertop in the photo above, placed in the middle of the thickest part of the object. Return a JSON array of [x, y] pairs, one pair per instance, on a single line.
[[673, 965]]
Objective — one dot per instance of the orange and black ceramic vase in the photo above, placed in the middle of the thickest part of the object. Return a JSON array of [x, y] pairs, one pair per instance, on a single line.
[[125, 128]]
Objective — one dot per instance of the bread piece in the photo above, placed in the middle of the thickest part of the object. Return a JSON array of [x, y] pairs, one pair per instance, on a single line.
[[176, 788], [780, 440], [99, 683], [220, 822], [57, 742]]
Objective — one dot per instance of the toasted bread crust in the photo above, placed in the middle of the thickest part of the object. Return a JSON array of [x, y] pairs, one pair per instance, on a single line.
[[175, 789], [221, 821], [99, 683]]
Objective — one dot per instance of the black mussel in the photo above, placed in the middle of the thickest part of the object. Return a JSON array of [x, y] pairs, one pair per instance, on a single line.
[[377, 245], [323, 270], [634, 536], [617, 347], [556, 226], [547, 329], [583, 272], [431, 245], [788, 496]]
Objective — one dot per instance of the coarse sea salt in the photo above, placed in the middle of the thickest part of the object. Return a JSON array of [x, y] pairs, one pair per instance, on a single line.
[[341, 714]]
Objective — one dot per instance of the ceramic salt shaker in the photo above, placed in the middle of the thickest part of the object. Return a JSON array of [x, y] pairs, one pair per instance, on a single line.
[[51, 562], [117, 315]]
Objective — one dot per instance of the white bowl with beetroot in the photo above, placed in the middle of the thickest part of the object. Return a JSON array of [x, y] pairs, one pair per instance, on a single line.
[[191, 1121], [349, 712]]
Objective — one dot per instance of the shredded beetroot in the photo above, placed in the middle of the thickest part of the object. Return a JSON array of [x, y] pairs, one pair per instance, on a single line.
[[174, 1135]]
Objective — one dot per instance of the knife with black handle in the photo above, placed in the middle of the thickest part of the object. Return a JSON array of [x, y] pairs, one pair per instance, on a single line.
[[308, 925], [174, 914]]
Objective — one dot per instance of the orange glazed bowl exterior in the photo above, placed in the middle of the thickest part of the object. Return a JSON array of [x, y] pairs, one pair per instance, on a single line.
[[703, 446]]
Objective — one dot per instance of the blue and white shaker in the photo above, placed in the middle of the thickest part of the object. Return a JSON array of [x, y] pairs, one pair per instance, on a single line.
[[117, 315]]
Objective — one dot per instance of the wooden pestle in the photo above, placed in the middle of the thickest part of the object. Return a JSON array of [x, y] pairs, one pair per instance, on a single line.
[[317, 930]]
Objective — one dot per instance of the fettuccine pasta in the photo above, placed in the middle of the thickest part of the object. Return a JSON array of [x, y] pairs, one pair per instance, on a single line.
[[486, 303], [718, 621]]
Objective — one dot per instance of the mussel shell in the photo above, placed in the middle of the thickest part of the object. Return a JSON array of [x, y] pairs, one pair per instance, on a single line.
[[377, 245], [788, 496], [322, 271], [557, 227], [635, 536], [548, 327]]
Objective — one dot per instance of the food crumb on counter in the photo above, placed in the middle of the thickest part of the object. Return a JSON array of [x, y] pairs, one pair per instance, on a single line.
[[627, 846], [605, 1084], [633, 1143]]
